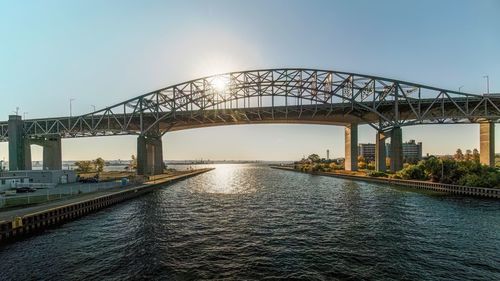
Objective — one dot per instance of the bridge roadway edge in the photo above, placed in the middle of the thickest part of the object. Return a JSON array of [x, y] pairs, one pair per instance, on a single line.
[[432, 186], [31, 223]]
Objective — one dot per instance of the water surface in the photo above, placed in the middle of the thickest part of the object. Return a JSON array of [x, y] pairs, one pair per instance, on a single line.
[[251, 222]]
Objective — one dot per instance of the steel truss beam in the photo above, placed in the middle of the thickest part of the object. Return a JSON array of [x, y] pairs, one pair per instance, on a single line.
[[274, 96]]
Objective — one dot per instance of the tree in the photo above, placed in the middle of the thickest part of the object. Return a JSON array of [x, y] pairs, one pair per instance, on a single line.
[[475, 155], [459, 156], [313, 158], [468, 155], [99, 164], [413, 172], [84, 166], [433, 168], [361, 162], [133, 163]]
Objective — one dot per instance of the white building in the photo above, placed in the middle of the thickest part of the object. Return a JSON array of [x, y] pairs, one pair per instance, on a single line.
[[11, 182], [36, 178]]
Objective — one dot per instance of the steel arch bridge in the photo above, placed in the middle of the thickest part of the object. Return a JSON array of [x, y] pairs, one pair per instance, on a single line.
[[289, 95]]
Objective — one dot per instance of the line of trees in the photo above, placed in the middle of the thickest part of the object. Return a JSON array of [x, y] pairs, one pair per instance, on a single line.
[[452, 171]]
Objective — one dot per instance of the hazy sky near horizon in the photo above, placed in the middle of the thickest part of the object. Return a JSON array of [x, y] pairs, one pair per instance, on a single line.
[[103, 52]]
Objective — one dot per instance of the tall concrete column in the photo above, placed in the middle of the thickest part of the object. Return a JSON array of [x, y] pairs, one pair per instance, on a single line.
[[142, 155], [351, 147], [487, 143], [396, 149], [52, 153], [149, 155], [380, 154], [27, 155], [158, 156], [19, 152]]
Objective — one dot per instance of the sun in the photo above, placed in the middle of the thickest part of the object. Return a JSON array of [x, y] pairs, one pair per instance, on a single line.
[[220, 83]]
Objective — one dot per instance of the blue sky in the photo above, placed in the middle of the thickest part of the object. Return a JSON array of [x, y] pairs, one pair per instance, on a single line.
[[103, 52]]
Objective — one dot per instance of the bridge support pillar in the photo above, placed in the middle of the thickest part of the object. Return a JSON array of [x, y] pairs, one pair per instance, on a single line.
[[149, 155], [380, 153], [396, 152], [351, 147], [487, 143], [52, 153], [19, 149]]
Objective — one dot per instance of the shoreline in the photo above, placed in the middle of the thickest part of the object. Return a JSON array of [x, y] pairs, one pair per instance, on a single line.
[[19, 223], [439, 187]]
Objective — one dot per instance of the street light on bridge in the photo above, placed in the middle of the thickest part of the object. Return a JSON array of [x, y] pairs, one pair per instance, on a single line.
[[71, 107], [460, 89], [487, 83]]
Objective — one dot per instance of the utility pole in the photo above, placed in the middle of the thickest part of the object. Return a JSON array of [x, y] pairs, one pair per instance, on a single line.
[[93, 106], [24, 115], [487, 83], [460, 89]]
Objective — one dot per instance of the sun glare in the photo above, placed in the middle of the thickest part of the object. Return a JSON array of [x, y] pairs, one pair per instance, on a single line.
[[220, 83]]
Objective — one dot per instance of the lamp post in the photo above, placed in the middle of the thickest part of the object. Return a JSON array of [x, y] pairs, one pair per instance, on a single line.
[[70, 111], [487, 83], [71, 107], [93, 106], [460, 89]]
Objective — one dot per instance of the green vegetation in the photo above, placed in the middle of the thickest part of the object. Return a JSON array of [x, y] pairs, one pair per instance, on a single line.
[[468, 172], [313, 163], [377, 174], [96, 165]]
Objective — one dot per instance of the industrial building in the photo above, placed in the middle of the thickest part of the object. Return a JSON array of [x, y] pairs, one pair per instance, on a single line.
[[46, 178]]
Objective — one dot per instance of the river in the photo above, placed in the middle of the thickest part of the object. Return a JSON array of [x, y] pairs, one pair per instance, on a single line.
[[250, 222]]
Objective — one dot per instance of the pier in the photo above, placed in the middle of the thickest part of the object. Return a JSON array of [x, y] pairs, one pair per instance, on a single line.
[[21, 222]]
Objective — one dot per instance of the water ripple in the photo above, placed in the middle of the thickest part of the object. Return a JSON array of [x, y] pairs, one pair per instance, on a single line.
[[249, 222]]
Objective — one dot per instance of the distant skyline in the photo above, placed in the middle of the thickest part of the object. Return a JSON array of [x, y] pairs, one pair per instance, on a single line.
[[103, 52]]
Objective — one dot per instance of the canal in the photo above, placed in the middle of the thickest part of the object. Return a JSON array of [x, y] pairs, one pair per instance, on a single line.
[[251, 222]]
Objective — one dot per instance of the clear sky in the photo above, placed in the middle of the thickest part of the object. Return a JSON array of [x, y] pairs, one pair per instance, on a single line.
[[103, 52]]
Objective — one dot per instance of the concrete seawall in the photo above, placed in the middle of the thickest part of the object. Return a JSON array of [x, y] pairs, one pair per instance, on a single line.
[[22, 222], [440, 187]]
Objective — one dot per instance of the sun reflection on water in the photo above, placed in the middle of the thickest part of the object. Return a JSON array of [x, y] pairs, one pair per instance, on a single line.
[[227, 179]]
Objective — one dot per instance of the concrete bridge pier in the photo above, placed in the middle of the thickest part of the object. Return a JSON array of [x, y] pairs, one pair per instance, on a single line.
[[19, 149], [351, 147], [487, 143], [380, 153], [396, 152], [149, 155], [52, 153]]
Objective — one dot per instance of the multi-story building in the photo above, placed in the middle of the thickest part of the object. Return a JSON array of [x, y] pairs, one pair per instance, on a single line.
[[367, 151], [412, 151]]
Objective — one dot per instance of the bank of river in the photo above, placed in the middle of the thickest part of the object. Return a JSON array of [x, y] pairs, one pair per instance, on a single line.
[[21, 221], [249, 222], [426, 185]]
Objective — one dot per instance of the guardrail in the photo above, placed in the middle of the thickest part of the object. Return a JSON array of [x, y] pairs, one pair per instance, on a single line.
[[50, 194]]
